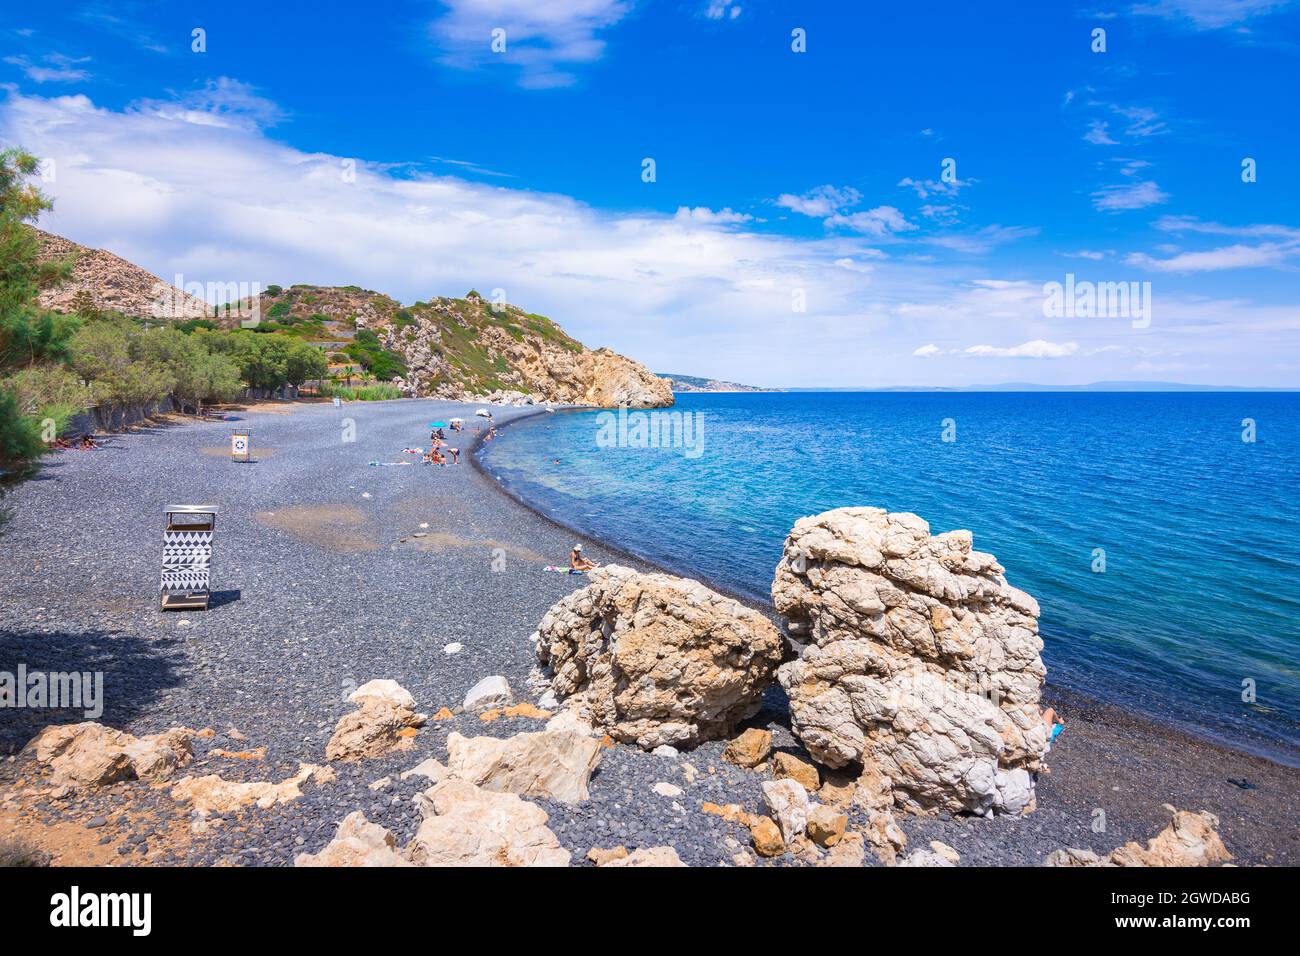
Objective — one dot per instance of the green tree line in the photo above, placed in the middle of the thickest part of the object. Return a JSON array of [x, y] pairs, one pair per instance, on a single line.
[[53, 366]]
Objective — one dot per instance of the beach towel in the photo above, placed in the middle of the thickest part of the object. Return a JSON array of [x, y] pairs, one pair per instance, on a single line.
[[388, 464], [412, 451], [560, 570]]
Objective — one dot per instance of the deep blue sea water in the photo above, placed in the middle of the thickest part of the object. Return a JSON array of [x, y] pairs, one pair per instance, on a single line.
[[1200, 529]]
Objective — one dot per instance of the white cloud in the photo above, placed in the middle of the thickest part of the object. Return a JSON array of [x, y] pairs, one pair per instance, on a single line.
[[925, 351], [1098, 135], [881, 221], [721, 10], [1038, 348], [924, 188], [1128, 196], [1193, 224], [1211, 14], [1143, 121], [544, 38], [821, 201], [831, 204], [223, 102], [57, 68], [703, 214], [983, 240], [1283, 246], [1214, 260]]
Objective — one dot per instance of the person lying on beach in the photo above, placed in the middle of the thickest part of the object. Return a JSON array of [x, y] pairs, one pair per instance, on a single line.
[[577, 562]]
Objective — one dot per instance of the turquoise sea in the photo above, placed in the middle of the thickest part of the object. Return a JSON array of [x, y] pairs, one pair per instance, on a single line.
[[1198, 605]]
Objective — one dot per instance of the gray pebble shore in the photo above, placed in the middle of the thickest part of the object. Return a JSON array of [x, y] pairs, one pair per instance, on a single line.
[[303, 614]]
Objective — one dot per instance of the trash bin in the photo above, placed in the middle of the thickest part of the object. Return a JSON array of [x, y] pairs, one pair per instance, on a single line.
[[187, 557], [241, 445]]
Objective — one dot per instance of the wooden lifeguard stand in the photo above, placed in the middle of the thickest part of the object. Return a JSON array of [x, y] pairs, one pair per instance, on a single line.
[[187, 557]]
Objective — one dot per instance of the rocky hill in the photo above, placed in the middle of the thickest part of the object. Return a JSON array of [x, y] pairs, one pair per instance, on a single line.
[[693, 383], [113, 284], [464, 347], [452, 348]]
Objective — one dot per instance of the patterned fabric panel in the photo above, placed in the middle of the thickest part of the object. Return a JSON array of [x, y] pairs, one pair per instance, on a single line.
[[186, 558]]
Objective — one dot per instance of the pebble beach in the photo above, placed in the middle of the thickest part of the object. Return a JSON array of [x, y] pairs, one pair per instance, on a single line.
[[329, 572]]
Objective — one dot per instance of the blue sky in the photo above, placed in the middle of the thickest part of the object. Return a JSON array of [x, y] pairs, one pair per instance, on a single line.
[[799, 230]]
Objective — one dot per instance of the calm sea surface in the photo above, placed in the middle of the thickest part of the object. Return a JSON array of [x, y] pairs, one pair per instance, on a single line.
[[1199, 600]]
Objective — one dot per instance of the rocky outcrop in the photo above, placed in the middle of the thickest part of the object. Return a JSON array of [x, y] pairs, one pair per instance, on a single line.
[[215, 794], [653, 659], [556, 766], [108, 282], [653, 856], [1190, 839], [88, 754], [357, 842], [916, 659], [466, 826], [472, 348], [385, 720]]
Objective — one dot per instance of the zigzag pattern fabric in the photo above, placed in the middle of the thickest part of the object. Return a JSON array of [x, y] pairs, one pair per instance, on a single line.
[[186, 559]]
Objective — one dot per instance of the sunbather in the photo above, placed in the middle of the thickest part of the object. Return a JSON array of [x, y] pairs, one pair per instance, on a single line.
[[579, 563]]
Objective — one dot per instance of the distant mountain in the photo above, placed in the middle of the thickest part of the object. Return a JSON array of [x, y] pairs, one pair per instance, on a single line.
[[692, 383], [1034, 387], [109, 282]]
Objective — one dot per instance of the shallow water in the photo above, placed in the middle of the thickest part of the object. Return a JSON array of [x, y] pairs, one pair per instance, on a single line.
[[1199, 600]]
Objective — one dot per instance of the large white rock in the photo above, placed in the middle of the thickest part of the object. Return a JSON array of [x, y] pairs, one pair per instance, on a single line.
[[357, 842], [547, 764], [88, 754], [786, 802], [653, 659], [468, 826], [490, 692], [917, 659]]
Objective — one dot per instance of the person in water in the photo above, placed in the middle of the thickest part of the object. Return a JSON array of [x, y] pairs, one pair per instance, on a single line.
[[577, 562]]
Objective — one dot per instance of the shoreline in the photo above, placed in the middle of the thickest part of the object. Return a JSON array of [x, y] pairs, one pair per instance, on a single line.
[[322, 582], [1052, 691]]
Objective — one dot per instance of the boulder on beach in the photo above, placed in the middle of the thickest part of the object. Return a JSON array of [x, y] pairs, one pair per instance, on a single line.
[[653, 659], [357, 842], [916, 659], [88, 754], [385, 720], [465, 825], [553, 765], [1190, 839]]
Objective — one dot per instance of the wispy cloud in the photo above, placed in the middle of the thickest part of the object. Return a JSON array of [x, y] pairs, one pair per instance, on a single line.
[[1098, 134], [543, 39], [1214, 260], [834, 205], [1037, 349], [982, 240], [1126, 196], [221, 102], [721, 10], [821, 201], [1281, 248], [1211, 14], [53, 68]]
